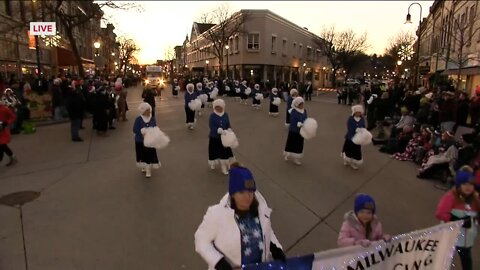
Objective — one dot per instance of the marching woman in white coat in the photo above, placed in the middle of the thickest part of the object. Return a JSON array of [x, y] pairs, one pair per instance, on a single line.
[[146, 157], [238, 230], [219, 123], [294, 145]]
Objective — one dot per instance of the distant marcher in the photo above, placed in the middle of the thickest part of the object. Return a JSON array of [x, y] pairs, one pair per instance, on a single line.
[[293, 94], [352, 153], [294, 145], [146, 157]]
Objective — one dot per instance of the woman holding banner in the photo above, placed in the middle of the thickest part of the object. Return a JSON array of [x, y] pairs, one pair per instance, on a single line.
[[237, 231], [462, 203]]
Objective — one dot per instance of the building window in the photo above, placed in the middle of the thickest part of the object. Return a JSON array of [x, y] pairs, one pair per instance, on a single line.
[[8, 7], [253, 42], [300, 51], [284, 47], [309, 53], [294, 49], [23, 16], [237, 42], [472, 23], [319, 56], [274, 44]]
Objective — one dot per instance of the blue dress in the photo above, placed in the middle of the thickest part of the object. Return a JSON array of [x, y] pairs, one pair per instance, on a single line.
[[351, 150], [216, 150], [145, 155]]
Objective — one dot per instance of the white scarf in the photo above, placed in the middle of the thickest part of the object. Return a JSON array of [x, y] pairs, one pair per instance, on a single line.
[[146, 119], [190, 92], [219, 114], [357, 118]]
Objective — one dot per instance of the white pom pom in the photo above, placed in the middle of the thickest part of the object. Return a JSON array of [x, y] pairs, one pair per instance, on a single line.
[[227, 88], [309, 128], [214, 93], [177, 88], [276, 101], [248, 91], [203, 98], [229, 139], [362, 137], [195, 104], [155, 138], [258, 96], [237, 90]]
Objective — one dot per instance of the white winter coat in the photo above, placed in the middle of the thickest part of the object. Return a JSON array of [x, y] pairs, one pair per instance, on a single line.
[[219, 236]]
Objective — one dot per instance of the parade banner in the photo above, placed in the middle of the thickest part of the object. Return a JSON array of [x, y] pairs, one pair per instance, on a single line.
[[428, 249]]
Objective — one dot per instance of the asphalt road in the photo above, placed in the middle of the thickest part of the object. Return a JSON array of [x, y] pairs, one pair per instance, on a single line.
[[97, 211]]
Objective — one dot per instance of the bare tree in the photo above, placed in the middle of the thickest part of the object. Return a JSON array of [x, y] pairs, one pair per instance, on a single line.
[[73, 16], [127, 50], [227, 25], [169, 56], [401, 40], [340, 46]]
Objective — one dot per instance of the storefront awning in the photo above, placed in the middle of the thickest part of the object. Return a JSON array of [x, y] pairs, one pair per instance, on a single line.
[[463, 71], [65, 57]]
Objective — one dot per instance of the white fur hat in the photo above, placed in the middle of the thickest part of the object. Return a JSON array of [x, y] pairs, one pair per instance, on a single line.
[[190, 87], [219, 102], [357, 108], [256, 86], [293, 91], [274, 90], [143, 107], [297, 101], [244, 82], [199, 85]]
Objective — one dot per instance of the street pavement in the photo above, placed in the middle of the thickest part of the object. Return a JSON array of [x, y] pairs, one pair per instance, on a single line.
[[97, 211]]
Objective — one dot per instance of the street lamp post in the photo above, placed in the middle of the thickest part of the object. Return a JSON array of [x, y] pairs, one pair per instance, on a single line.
[[96, 44], [227, 47], [409, 20], [304, 65], [206, 62]]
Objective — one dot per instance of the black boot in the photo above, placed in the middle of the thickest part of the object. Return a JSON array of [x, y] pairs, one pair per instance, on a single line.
[[13, 160]]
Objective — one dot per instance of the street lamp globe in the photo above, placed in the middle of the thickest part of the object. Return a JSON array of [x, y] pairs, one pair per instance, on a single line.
[[409, 18], [304, 64], [96, 44], [227, 47], [206, 62], [399, 62], [113, 54]]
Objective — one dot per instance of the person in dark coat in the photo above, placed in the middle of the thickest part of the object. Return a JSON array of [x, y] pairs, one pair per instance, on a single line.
[[308, 91], [75, 107], [101, 110], [149, 97], [447, 110], [58, 102], [463, 107]]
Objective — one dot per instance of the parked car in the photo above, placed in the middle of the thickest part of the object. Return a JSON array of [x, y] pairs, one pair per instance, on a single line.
[[352, 81]]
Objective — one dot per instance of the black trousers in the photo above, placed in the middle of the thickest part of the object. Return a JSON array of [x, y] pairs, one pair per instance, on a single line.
[[5, 149], [465, 257], [308, 95]]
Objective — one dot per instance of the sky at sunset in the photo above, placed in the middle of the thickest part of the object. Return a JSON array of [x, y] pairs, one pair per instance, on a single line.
[[164, 24]]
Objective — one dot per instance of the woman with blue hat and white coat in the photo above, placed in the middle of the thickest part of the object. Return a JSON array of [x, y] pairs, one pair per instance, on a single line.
[[238, 231]]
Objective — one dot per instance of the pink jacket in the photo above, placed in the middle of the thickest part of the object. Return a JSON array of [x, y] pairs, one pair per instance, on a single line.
[[352, 230]]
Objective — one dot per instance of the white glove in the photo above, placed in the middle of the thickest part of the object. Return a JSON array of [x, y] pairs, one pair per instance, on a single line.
[[229, 129], [143, 131], [220, 130], [299, 124], [370, 100], [357, 130], [374, 95]]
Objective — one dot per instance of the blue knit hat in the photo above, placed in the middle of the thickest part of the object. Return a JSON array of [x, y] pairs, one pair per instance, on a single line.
[[463, 177], [240, 179], [364, 201]]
